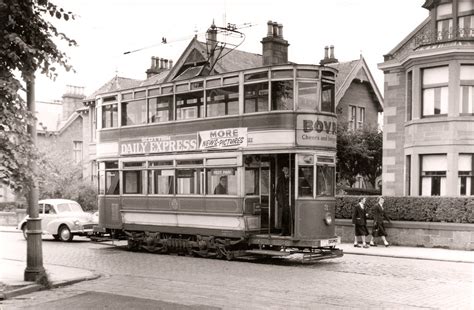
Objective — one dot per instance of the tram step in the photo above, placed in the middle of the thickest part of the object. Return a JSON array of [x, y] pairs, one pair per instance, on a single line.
[[268, 252]]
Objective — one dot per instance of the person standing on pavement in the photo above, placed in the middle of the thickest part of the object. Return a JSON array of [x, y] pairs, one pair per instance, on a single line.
[[378, 230], [359, 219]]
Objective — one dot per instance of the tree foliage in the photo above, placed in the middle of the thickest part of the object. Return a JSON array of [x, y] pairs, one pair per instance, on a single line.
[[359, 152], [27, 46], [62, 178]]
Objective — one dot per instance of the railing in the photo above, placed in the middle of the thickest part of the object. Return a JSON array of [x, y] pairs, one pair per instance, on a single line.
[[431, 37]]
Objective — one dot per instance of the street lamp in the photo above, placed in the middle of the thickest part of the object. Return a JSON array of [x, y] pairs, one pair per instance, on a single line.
[[34, 248]]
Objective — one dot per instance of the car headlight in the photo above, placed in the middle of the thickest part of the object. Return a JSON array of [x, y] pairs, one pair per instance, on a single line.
[[77, 223], [328, 218]]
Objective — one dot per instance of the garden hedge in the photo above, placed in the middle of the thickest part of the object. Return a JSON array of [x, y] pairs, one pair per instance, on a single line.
[[419, 209]]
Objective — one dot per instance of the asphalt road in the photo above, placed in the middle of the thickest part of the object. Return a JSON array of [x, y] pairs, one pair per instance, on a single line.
[[131, 280]]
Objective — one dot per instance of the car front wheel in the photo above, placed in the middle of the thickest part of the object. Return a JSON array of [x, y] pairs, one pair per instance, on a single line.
[[65, 234]]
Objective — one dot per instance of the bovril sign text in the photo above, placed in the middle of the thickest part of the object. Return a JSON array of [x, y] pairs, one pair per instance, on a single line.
[[316, 130]]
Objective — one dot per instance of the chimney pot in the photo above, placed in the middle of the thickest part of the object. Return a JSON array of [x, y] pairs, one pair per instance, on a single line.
[[332, 52], [166, 64], [275, 29], [280, 31], [171, 64], [326, 52], [270, 29]]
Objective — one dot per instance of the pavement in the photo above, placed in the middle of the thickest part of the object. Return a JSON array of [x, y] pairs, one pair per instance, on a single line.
[[12, 271]]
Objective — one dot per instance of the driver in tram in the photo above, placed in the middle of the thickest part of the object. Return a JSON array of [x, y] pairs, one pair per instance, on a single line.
[[221, 188], [283, 198]]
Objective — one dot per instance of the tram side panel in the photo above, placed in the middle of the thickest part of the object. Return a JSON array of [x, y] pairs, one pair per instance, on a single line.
[[315, 219], [217, 216]]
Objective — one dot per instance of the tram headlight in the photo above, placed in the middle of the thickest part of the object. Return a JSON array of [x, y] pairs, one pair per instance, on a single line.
[[328, 218]]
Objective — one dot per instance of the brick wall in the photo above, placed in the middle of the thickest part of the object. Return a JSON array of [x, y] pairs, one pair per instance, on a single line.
[[358, 95], [393, 146]]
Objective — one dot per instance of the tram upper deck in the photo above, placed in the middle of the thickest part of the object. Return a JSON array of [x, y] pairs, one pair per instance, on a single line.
[[275, 107]]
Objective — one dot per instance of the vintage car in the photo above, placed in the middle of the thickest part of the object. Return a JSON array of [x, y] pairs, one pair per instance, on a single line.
[[63, 219]]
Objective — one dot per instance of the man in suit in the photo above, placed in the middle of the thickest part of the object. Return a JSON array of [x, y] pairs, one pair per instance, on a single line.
[[283, 199], [221, 188]]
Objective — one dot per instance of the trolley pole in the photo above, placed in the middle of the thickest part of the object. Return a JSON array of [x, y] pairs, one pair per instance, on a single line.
[[34, 247]]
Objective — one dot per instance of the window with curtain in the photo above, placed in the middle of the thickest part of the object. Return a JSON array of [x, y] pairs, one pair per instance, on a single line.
[[466, 174], [433, 175], [435, 92], [465, 18], [466, 96], [444, 21]]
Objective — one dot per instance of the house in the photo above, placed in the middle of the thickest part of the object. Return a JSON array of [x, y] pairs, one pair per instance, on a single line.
[[429, 105]]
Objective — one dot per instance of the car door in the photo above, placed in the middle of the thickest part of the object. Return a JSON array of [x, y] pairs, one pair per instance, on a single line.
[[48, 216]]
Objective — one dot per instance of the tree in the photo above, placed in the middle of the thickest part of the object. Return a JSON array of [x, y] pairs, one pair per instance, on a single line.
[[62, 178], [26, 39], [359, 152]]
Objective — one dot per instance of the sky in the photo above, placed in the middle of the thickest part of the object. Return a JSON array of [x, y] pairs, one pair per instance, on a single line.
[[106, 29]]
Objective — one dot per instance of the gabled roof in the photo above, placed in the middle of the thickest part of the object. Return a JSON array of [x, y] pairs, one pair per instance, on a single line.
[[115, 84], [350, 70], [229, 60]]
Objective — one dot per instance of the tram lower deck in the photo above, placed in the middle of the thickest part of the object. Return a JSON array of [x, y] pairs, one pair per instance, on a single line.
[[223, 205]]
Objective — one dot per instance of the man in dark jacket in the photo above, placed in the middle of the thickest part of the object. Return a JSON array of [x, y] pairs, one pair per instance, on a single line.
[[221, 188], [283, 198]]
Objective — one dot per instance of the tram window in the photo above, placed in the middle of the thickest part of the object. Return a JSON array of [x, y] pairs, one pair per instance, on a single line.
[[282, 74], [140, 94], [256, 76], [308, 74], [223, 101], [212, 83], [161, 163], [193, 162], [133, 182], [256, 97], [327, 97], [325, 180], [282, 95], [133, 112], [231, 80], [133, 164], [159, 109], [251, 181], [109, 116], [305, 181], [161, 182], [308, 96], [127, 96], [112, 183], [189, 181], [167, 90], [110, 165], [189, 105], [154, 92], [221, 181]]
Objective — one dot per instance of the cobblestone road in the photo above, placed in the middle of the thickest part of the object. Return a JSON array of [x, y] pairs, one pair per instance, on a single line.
[[353, 281]]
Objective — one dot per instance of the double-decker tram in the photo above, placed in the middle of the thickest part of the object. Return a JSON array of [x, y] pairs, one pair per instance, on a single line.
[[226, 165]]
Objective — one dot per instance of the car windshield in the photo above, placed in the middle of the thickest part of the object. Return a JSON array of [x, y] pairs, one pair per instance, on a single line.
[[69, 207]]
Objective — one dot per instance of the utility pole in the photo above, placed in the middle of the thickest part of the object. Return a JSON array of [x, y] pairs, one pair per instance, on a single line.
[[34, 247]]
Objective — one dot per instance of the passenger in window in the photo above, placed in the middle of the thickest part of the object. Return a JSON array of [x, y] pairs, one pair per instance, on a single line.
[[221, 188], [283, 199]]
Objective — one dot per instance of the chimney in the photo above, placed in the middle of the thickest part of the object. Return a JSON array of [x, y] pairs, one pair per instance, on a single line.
[[72, 100], [275, 47], [157, 65], [211, 42], [328, 59]]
